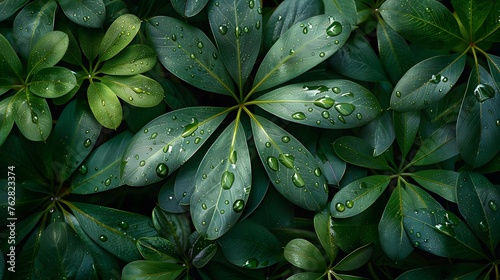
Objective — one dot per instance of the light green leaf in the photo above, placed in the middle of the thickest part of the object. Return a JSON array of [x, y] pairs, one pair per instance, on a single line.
[[293, 170], [152, 270], [357, 196], [223, 183], [303, 254], [6, 118], [52, 82], [427, 22], [121, 32], [138, 90], [157, 249], [357, 151], [236, 28], [105, 105], [439, 146], [173, 138], [11, 66], [251, 245], [303, 46], [355, 259], [134, 59], [472, 13], [34, 21], [427, 82], [9, 7], [333, 104], [322, 227], [379, 133], [406, 127], [347, 8], [48, 51], [32, 115], [88, 13], [188, 8], [101, 169], [441, 182], [178, 47]]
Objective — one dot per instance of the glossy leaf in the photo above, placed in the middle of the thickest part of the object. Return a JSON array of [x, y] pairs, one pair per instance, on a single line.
[[177, 45], [121, 32], [52, 82], [132, 60], [9, 61], [441, 182], [333, 167], [184, 183], [303, 46], [32, 116], [151, 270], [251, 245], [478, 121], [478, 201], [303, 254], [406, 127], [305, 276], [357, 196], [421, 198], [101, 169], [157, 249], [26, 267], [442, 233], [427, 82], [203, 250], [48, 51], [104, 105], [471, 13], [114, 230], [175, 227], [439, 146], [345, 7], [138, 90], [236, 28], [464, 271], [355, 259], [379, 133], [358, 152], [491, 25], [333, 104], [89, 13], [9, 7], [427, 23], [188, 8], [274, 211], [173, 138], [89, 39], [494, 66], [167, 199], [291, 167], [31, 23], [322, 227], [6, 118]]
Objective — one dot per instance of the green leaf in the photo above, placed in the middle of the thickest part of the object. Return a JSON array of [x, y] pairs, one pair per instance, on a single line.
[[441, 182], [355, 259], [203, 250], [32, 23], [333, 104], [395, 55], [293, 170], [137, 90], [52, 82], [236, 28], [48, 51], [489, 29], [357, 196], [134, 59], [114, 230], [478, 201], [178, 47], [439, 146], [303, 254], [6, 118], [188, 8], [167, 199], [427, 23], [157, 249], [73, 138], [472, 13], [13, 152], [303, 46], [152, 270], [88, 13], [184, 183], [175, 227], [442, 233], [427, 82], [333, 167], [306, 276], [421, 198], [9, 61], [322, 227], [173, 138], [379, 133], [274, 210], [393, 238], [89, 39], [32, 115], [464, 271], [26, 266], [121, 32], [477, 124], [101, 169], [406, 127], [494, 66], [105, 105], [345, 7], [357, 60], [251, 245], [73, 54], [10, 7], [223, 183], [357, 151]]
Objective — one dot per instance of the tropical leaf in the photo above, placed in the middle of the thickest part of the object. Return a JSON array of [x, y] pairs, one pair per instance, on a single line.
[[104, 104], [121, 32], [442, 182], [188, 8], [47, 51], [52, 82], [32, 115], [88, 13], [303, 254], [132, 60], [357, 151], [9, 7], [138, 90]]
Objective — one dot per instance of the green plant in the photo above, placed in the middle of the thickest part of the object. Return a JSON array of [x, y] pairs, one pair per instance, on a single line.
[[304, 140]]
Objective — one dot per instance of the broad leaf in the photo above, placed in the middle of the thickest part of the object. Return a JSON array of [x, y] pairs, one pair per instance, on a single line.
[[478, 201], [345, 7], [223, 183], [236, 28], [427, 82], [184, 183], [88, 13], [189, 54], [379, 133], [175, 227], [73, 54], [52, 82], [471, 13], [132, 60], [167, 142], [157, 249], [357, 151], [152, 270], [322, 227], [291, 167], [188, 8], [441, 182], [427, 22], [138, 90], [10, 64], [105, 105], [355, 259], [303, 46], [464, 271], [48, 51], [333, 104], [439, 146], [9, 7], [357, 196], [406, 127], [32, 116], [251, 245], [303, 254], [121, 32], [101, 169]]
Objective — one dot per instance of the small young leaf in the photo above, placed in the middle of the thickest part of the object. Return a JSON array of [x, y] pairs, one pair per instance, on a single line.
[[303, 254], [137, 90], [333, 167], [134, 59], [121, 32], [48, 51], [441, 182], [52, 82], [357, 151], [322, 227], [88, 13], [105, 105], [406, 127], [379, 133], [152, 270], [203, 250], [175, 227], [167, 199], [188, 8], [32, 115]]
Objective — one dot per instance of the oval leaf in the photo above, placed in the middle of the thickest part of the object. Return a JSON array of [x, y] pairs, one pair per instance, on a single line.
[[303, 254], [134, 59], [32, 116], [8, 8], [121, 32], [89, 13], [357, 151], [355, 259], [52, 82], [152, 270], [105, 105], [188, 8], [138, 90], [9, 61], [439, 146], [48, 51], [441, 182], [157, 249]]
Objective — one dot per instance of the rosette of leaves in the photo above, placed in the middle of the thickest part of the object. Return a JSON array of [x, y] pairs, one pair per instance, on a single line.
[[221, 186], [59, 235]]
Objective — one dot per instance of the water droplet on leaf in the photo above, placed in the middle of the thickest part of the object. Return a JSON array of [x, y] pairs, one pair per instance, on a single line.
[[324, 102], [340, 207], [107, 182], [251, 263], [334, 29], [83, 169], [493, 206], [272, 163], [285, 139], [103, 238], [238, 205], [162, 170], [227, 180], [287, 160], [349, 203], [483, 92], [298, 116], [345, 108], [298, 181], [190, 128]]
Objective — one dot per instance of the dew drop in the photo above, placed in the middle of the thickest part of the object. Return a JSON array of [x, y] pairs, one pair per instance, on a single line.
[[287, 160], [349, 203], [162, 170], [200, 45], [268, 144], [192, 56], [233, 157], [341, 118], [123, 225], [83, 169], [154, 135], [305, 30], [317, 172], [324, 102], [359, 116], [238, 205], [96, 189], [251, 263], [444, 79], [334, 29], [272, 163], [285, 139], [204, 206], [340, 207], [321, 54], [418, 234], [257, 25], [298, 181], [345, 109], [280, 17], [142, 163], [493, 206], [325, 114], [227, 180], [483, 92], [34, 117], [137, 90], [107, 182], [103, 238], [435, 79], [190, 128], [398, 94], [298, 116], [336, 90]]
